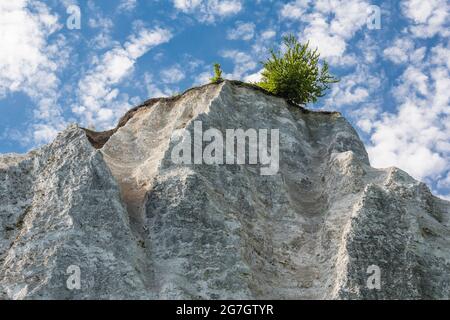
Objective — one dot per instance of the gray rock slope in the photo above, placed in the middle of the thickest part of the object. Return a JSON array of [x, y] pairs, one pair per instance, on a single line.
[[139, 226]]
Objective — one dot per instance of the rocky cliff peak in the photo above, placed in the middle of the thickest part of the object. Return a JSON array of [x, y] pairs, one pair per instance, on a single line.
[[149, 209]]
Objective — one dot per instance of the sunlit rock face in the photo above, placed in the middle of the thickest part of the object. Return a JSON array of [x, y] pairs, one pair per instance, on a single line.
[[111, 215]]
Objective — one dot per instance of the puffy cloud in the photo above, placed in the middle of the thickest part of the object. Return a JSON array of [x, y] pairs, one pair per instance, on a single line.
[[430, 17], [440, 55], [319, 35], [352, 89], [100, 22], [408, 140], [173, 74], [209, 10], [44, 132], [268, 34], [127, 5], [153, 90], [24, 60], [294, 10], [243, 63], [445, 182], [203, 78], [254, 77], [226, 8], [262, 42], [415, 80], [416, 137], [103, 25], [29, 61], [187, 5], [366, 116], [100, 102], [242, 31], [404, 51], [328, 24]]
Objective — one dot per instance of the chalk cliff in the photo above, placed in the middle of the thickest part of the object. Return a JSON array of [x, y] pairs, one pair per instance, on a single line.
[[139, 226]]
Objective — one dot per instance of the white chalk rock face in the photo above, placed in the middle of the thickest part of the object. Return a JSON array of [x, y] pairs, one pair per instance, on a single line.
[[112, 215]]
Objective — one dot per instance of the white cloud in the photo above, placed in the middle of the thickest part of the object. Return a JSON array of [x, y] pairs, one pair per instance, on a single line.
[[153, 91], [319, 35], [254, 77], [294, 10], [24, 53], [203, 78], [440, 55], [445, 182], [405, 140], [102, 40], [45, 132], [430, 17], [366, 116], [328, 24], [416, 137], [243, 63], [209, 10], [100, 22], [268, 34], [173, 74], [103, 25], [242, 31], [29, 61], [352, 89], [404, 51], [127, 5], [414, 79], [100, 102], [262, 43], [187, 5], [226, 7]]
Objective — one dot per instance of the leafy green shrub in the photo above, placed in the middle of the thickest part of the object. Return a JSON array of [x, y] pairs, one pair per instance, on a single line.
[[296, 74], [217, 74]]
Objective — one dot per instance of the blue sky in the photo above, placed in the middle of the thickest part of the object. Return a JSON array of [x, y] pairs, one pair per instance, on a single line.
[[395, 84]]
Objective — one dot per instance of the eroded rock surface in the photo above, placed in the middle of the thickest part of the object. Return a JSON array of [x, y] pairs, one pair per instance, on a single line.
[[139, 226]]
